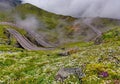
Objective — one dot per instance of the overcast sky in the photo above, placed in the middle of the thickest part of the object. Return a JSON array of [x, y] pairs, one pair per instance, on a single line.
[[80, 8]]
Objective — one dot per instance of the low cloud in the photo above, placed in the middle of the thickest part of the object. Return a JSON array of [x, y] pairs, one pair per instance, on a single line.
[[30, 22], [5, 7], [80, 8]]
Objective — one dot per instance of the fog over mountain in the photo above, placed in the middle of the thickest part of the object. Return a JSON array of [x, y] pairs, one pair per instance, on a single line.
[[10, 2], [80, 8]]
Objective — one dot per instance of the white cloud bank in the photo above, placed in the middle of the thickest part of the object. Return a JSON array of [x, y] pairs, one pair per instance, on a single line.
[[80, 8]]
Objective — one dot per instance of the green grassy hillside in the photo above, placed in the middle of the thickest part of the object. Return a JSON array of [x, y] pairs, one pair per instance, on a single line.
[[19, 66]]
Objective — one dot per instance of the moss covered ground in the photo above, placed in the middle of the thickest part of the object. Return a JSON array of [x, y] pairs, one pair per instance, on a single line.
[[18, 66]]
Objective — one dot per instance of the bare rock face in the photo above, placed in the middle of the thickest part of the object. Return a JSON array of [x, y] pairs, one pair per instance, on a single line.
[[63, 73]]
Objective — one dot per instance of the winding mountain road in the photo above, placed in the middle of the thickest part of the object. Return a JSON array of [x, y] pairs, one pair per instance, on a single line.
[[23, 41], [88, 23], [38, 38]]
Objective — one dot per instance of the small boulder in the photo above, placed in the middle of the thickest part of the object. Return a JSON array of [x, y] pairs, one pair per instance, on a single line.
[[63, 73], [68, 52]]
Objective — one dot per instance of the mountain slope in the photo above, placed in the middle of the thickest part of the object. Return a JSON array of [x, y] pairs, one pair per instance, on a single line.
[[60, 29]]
